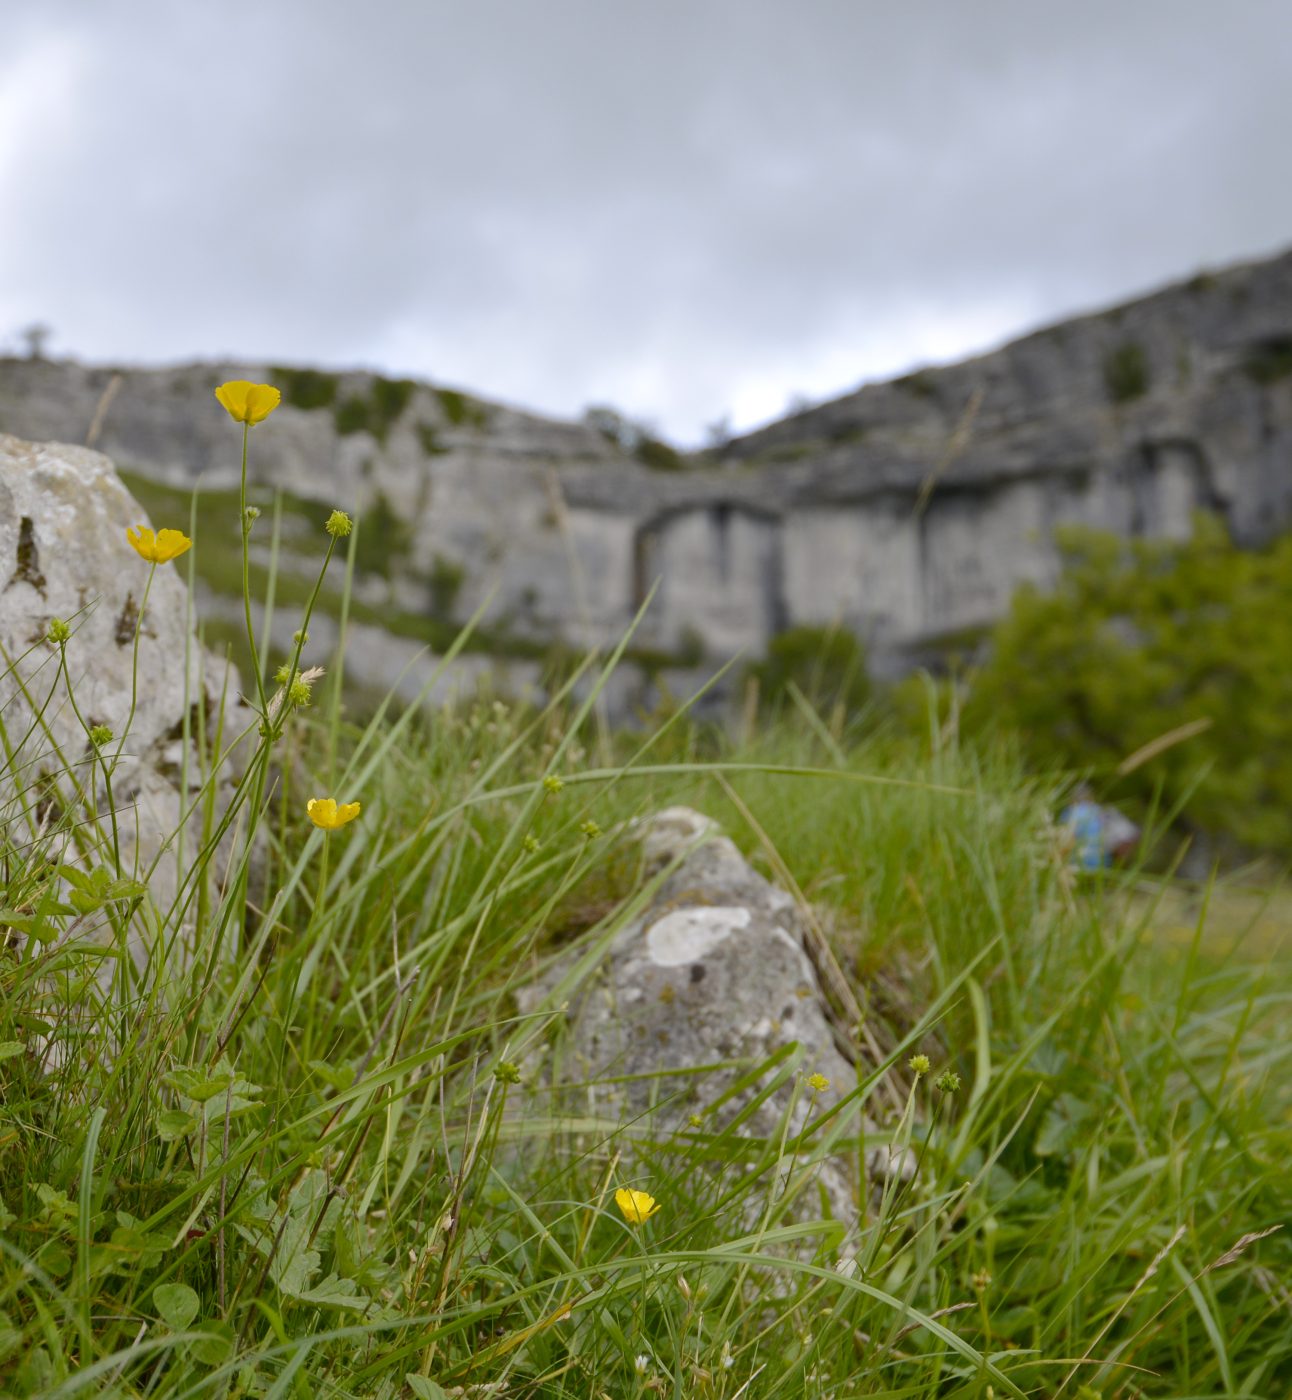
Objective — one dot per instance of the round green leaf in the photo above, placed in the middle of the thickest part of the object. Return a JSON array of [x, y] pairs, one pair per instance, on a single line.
[[176, 1304]]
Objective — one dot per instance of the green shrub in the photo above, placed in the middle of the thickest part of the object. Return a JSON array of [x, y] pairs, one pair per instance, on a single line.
[[659, 456], [429, 438], [1140, 639], [921, 383], [1126, 374], [390, 397], [385, 538], [1271, 360], [634, 439], [352, 415], [445, 582], [691, 649], [387, 399], [305, 388], [826, 664], [461, 409]]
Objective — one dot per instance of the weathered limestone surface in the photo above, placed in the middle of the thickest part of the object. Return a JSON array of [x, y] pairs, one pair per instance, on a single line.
[[906, 511], [63, 554], [714, 972]]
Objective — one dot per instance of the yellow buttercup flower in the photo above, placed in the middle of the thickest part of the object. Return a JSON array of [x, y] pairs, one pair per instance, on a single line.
[[246, 402], [160, 548], [637, 1207], [324, 812]]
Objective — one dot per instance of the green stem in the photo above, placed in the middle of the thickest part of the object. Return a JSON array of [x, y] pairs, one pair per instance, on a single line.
[[97, 758], [281, 719], [134, 668], [245, 526], [269, 732], [321, 892], [120, 927]]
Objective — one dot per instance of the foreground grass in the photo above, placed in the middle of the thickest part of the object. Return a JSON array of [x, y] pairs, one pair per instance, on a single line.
[[327, 1166], [307, 1146]]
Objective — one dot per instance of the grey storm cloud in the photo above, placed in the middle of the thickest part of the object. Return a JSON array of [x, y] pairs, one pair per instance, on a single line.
[[687, 208]]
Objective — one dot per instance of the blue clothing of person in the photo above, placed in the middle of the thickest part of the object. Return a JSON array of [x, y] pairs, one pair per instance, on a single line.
[[1087, 822]]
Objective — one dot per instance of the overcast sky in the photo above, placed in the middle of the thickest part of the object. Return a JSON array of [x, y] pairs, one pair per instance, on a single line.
[[686, 208]]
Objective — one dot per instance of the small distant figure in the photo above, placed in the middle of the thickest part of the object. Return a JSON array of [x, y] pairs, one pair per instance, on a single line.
[[1101, 836]]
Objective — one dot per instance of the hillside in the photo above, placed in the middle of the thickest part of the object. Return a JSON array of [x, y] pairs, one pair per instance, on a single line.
[[908, 510]]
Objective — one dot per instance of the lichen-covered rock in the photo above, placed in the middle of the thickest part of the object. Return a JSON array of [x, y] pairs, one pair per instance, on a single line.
[[711, 981], [63, 554]]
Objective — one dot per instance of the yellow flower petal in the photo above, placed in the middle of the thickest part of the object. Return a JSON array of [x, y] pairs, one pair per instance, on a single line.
[[637, 1207], [171, 544], [246, 402], [325, 812], [160, 548]]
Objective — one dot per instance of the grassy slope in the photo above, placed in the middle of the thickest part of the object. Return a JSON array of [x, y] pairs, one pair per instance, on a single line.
[[303, 1175]]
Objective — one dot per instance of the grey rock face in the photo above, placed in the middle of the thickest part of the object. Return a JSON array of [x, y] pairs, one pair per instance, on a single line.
[[63, 554], [905, 511], [713, 974]]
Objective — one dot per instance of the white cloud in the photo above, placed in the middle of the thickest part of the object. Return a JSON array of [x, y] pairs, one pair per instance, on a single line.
[[687, 210], [39, 118]]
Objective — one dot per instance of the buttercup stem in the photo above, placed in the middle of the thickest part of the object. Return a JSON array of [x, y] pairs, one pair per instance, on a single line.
[[245, 527], [294, 668], [322, 885], [269, 731]]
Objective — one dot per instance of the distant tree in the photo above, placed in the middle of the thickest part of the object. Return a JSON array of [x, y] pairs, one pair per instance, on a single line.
[[635, 438], [614, 426], [34, 337], [718, 433]]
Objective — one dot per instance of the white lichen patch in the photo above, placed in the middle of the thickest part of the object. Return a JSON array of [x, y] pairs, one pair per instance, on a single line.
[[686, 935]]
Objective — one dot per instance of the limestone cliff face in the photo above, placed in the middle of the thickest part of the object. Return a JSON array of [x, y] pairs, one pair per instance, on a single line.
[[906, 511], [467, 485], [916, 507]]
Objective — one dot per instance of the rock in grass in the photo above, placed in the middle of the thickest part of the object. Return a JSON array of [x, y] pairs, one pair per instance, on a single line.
[[64, 513], [705, 1020]]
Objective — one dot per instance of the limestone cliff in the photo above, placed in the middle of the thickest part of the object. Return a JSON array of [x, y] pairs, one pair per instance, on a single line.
[[907, 511]]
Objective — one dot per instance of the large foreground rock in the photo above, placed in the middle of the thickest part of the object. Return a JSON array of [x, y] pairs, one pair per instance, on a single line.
[[63, 554], [716, 972]]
